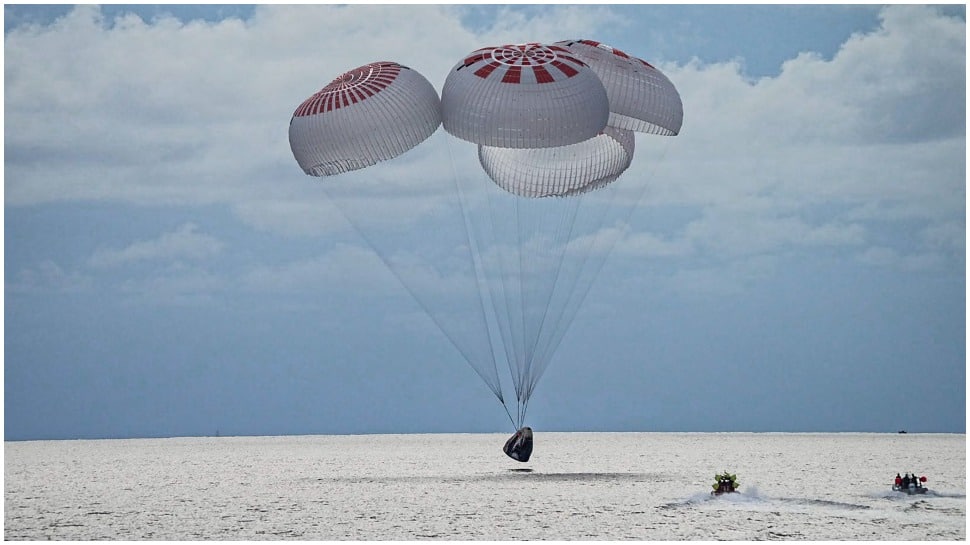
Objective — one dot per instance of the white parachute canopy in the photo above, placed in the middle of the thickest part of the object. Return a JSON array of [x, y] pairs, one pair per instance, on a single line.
[[641, 97], [523, 96], [560, 171], [369, 114]]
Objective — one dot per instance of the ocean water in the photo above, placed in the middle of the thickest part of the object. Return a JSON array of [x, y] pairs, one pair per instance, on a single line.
[[578, 486]]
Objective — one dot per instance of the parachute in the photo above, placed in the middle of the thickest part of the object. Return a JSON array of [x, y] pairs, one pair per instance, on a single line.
[[561, 171], [345, 125], [500, 249], [523, 96], [641, 98]]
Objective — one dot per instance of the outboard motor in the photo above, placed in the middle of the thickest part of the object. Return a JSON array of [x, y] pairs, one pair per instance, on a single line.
[[519, 446]]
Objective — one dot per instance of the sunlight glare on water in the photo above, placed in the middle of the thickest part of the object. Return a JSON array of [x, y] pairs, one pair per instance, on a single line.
[[619, 486]]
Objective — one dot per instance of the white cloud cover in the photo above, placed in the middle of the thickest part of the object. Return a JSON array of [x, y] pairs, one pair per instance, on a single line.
[[171, 112], [176, 286], [49, 276], [881, 256], [195, 113], [185, 242], [342, 265]]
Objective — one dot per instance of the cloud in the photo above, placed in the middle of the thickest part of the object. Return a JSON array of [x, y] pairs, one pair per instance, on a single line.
[[196, 112], [517, 25], [176, 286], [903, 83], [642, 244], [345, 264], [170, 112], [949, 236], [875, 137], [48, 276], [909, 77], [183, 243], [731, 233], [881, 256], [733, 278], [291, 217], [825, 130]]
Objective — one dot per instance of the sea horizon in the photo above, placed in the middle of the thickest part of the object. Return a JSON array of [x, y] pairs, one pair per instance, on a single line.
[[478, 432]]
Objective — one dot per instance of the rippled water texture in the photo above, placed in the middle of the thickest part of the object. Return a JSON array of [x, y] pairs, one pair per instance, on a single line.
[[621, 486]]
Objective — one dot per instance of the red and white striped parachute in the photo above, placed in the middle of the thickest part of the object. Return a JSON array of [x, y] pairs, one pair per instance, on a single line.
[[523, 96], [642, 99], [370, 114]]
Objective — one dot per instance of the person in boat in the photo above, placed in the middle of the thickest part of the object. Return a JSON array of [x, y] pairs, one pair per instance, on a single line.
[[898, 481], [906, 481]]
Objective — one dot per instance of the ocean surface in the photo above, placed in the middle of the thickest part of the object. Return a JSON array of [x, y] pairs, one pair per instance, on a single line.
[[578, 486]]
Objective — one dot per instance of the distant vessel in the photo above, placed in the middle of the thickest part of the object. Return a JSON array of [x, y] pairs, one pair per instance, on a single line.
[[901, 431]]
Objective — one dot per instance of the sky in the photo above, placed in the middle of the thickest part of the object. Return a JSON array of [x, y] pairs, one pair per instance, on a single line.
[[796, 261]]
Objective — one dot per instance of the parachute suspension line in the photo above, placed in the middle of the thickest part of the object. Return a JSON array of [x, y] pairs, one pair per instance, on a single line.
[[577, 296], [474, 251], [506, 407], [540, 257], [563, 319], [534, 256], [494, 257], [529, 263], [529, 222], [468, 358], [610, 244], [522, 412], [560, 244], [522, 279], [506, 261], [504, 277]]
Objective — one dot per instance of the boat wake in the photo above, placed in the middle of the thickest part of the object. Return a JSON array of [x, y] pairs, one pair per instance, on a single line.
[[899, 496], [752, 498], [956, 495], [823, 503], [748, 496]]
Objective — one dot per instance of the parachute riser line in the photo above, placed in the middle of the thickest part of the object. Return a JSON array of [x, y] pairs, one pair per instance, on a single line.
[[434, 318]]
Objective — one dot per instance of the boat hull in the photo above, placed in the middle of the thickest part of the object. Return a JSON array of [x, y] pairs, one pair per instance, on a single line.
[[910, 490]]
